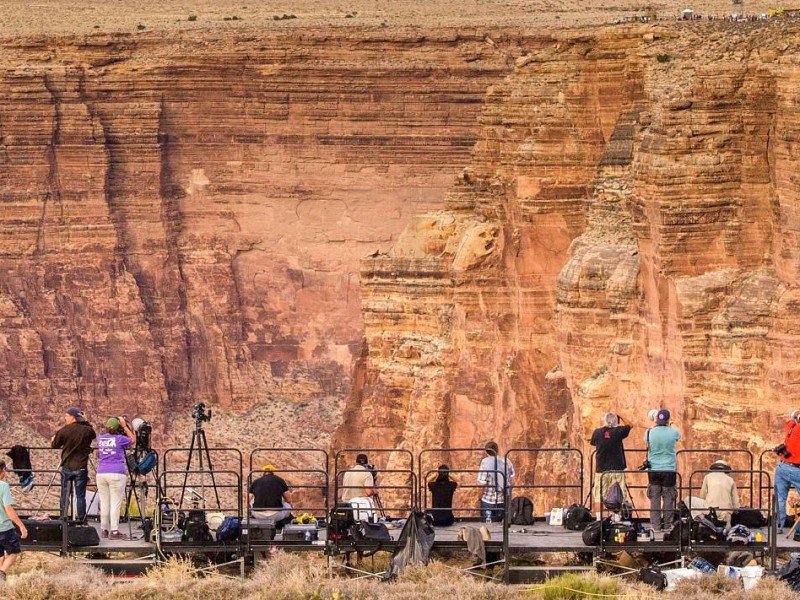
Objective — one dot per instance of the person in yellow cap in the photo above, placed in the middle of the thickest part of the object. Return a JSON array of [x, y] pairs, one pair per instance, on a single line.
[[270, 497]]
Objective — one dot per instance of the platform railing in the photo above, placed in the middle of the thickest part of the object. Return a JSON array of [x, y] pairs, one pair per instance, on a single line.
[[749, 475], [638, 511], [766, 460], [173, 484], [32, 505]]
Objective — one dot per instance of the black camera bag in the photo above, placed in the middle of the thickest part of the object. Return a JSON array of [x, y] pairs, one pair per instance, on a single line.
[[653, 576], [595, 532], [749, 517], [363, 531], [577, 518]]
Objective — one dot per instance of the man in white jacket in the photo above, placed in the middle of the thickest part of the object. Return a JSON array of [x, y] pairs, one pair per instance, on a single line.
[[719, 491]]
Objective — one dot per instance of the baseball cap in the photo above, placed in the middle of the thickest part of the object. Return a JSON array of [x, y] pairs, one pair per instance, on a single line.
[[362, 459], [663, 416], [112, 423], [268, 467], [76, 412]]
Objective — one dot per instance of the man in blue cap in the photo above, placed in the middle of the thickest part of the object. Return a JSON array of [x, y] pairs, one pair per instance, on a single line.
[[662, 478], [75, 441]]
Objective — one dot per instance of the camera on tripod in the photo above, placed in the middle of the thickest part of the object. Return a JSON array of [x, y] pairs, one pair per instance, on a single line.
[[143, 431], [200, 413]]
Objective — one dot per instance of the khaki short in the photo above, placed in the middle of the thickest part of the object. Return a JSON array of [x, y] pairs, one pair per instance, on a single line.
[[608, 480]]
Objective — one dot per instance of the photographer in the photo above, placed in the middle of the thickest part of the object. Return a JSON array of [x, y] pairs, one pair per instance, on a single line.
[[787, 473], [662, 478], [609, 441], [75, 441], [111, 474]]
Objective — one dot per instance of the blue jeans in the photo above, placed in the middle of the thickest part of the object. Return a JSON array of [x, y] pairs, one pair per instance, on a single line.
[[497, 511], [786, 476], [80, 477]]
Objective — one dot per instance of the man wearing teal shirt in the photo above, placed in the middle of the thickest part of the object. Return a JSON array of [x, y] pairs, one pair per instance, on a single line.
[[9, 537], [662, 478]]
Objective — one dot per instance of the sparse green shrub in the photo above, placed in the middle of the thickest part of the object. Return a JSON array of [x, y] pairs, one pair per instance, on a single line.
[[140, 27], [575, 587], [662, 58], [192, 18]]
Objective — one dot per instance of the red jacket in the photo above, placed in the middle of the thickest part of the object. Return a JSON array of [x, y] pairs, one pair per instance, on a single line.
[[792, 441]]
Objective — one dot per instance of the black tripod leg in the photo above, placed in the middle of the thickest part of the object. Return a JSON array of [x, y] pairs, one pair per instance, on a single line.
[[188, 466], [210, 467]]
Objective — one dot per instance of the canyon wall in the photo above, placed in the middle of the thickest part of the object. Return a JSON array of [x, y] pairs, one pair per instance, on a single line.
[[182, 218], [625, 237], [411, 237]]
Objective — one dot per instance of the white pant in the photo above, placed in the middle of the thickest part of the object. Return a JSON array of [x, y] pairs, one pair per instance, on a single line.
[[363, 508], [111, 487]]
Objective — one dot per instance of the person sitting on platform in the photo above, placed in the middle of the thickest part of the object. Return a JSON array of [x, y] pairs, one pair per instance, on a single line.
[[719, 491], [358, 488], [111, 474], [662, 477], [787, 473], [496, 475], [608, 440], [270, 498], [442, 489]]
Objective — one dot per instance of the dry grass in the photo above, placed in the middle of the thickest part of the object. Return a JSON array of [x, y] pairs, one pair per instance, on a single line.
[[303, 577]]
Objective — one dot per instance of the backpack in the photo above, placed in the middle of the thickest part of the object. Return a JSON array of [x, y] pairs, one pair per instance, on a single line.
[[147, 464], [614, 497], [228, 531], [595, 532], [749, 517], [577, 517], [653, 576], [521, 511], [708, 531]]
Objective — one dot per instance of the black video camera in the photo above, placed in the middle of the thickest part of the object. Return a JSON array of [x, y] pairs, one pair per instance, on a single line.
[[781, 451], [645, 466], [200, 414], [143, 436]]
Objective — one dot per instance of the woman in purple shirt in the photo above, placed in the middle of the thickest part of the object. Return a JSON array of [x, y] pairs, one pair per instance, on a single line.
[[111, 474]]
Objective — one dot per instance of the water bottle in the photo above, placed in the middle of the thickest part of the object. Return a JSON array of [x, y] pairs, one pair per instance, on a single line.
[[308, 535], [488, 515]]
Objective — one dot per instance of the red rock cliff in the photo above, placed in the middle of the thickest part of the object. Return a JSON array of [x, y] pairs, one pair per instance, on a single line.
[[183, 218], [625, 237]]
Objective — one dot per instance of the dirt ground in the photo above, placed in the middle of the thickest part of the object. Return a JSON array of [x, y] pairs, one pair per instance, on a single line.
[[64, 17]]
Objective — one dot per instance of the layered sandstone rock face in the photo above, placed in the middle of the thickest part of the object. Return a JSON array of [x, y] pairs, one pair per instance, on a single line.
[[183, 218], [625, 237]]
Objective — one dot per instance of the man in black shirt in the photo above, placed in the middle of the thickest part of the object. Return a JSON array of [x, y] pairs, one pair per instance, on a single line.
[[270, 497], [610, 456], [75, 441]]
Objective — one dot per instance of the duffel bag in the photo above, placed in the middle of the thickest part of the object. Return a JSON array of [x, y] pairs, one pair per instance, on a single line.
[[595, 532], [653, 576], [365, 531], [749, 517]]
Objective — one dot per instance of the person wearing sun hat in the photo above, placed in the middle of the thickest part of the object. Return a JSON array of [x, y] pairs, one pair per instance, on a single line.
[[719, 491], [75, 442], [662, 478], [270, 497], [111, 474]]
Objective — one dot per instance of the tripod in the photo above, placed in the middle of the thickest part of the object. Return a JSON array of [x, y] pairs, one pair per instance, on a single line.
[[200, 444]]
